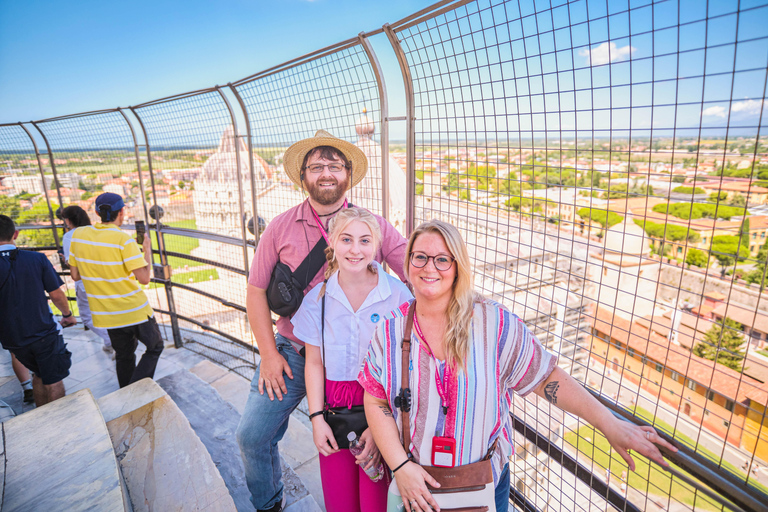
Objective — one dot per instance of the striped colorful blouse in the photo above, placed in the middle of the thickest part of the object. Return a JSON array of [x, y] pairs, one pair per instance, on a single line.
[[503, 357]]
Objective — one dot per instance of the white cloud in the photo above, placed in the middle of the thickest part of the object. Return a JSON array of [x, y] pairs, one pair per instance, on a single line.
[[750, 107], [714, 112], [747, 107], [607, 52]]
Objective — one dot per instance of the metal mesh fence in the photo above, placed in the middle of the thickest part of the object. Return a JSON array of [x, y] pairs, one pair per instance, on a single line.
[[604, 161], [336, 92], [27, 196], [597, 158], [199, 170]]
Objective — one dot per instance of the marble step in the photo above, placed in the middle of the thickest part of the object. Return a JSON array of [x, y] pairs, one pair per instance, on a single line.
[[60, 457], [297, 448], [215, 420], [164, 464]]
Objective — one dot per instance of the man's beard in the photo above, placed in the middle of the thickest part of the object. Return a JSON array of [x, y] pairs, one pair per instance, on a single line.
[[328, 196]]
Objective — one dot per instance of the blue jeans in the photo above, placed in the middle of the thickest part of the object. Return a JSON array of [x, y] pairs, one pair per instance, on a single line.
[[263, 425], [502, 490]]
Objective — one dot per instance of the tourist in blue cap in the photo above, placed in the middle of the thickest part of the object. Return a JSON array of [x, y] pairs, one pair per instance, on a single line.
[[111, 266]]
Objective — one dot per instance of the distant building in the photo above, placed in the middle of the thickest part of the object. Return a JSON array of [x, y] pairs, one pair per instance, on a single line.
[[754, 195], [216, 198], [708, 393], [754, 323], [623, 274], [31, 183], [367, 193]]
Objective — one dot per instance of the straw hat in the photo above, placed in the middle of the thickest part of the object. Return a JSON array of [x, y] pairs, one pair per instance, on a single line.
[[294, 156]]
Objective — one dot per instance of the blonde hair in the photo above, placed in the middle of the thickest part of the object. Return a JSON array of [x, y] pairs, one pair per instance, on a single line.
[[462, 301], [336, 227]]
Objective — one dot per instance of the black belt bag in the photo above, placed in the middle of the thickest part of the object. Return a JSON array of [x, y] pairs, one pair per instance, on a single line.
[[286, 288], [344, 420]]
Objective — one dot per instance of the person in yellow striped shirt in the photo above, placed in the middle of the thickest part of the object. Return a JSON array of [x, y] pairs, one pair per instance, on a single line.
[[111, 266]]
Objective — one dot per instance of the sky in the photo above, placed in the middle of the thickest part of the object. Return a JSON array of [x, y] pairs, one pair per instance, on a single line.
[[585, 66], [59, 58]]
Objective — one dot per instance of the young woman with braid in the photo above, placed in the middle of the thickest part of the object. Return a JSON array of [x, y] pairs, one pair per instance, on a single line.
[[359, 295]]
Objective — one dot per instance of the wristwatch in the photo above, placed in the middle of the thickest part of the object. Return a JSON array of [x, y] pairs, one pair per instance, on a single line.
[[67, 316]]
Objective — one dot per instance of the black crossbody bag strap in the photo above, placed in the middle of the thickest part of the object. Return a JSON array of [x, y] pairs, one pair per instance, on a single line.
[[311, 265], [322, 340]]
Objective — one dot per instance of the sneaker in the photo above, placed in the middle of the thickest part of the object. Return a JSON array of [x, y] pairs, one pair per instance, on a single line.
[[277, 507], [29, 396], [109, 350]]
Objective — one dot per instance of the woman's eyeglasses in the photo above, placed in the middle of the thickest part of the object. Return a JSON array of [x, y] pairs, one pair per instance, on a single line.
[[441, 261]]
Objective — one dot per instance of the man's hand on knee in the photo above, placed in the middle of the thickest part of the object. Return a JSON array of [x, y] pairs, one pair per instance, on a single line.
[[271, 371]]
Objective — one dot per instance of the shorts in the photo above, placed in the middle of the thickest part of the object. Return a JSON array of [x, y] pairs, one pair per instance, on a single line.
[[48, 358]]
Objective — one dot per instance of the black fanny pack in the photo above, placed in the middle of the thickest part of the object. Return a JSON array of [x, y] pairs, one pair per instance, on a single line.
[[286, 288], [344, 420]]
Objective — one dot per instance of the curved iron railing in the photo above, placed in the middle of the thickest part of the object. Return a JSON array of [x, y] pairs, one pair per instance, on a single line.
[[541, 130]]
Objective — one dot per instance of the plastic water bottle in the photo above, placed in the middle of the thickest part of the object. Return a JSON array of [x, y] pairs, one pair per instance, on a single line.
[[374, 472]]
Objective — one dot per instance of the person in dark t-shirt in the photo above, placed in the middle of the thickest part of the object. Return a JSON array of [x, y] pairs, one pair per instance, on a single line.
[[29, 331]]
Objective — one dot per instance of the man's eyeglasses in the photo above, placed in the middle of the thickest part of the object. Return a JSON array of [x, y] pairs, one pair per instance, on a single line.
[[441, 261], [318, 168]]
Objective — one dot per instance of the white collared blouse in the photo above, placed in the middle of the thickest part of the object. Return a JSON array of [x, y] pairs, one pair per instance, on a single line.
[[347, 333]]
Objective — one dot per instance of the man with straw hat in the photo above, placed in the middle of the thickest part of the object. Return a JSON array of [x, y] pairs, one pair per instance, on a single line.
[[326, 167]]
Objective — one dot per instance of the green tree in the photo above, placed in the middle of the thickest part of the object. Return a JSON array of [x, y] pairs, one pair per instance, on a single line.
[[38, 214], [738, 201], [696, 258], [689, 190], [10, 206], [723, 344], [605, 218], [718, 196], [756, 275]]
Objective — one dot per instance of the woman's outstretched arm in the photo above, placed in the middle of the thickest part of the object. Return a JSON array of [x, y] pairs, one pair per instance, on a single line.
[[563, 391]]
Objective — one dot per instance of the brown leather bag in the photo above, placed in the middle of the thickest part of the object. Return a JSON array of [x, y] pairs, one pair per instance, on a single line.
[[468, 488]]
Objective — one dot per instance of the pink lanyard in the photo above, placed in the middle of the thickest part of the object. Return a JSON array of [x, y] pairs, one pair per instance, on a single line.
[[320, 224], [442, 386]]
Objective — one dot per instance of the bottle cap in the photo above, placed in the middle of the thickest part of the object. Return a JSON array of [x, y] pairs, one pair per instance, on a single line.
[[351, 436]]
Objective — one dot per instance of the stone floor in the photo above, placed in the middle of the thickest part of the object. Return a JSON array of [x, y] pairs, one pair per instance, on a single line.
[[93, 368]]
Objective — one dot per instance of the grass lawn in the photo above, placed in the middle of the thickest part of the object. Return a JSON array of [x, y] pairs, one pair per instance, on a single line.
[[683, 439], [197, 276], [180, 244], [647, 475], [70, 292]]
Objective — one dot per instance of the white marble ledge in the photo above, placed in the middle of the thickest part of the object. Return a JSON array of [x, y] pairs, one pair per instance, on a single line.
[[165, 465], [129, 398]]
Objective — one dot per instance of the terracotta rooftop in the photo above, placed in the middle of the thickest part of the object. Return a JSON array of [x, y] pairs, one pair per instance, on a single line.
[[717, 377], [734, 187], [745, 315]]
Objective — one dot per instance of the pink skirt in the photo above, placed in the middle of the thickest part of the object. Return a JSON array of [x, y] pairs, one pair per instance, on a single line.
[[343, 393]]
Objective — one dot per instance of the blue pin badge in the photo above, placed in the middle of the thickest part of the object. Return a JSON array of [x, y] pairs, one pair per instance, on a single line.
[[375, 317]]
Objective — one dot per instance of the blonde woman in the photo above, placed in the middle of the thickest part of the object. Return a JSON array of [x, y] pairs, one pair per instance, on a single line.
[[467, 353], [358, 295]]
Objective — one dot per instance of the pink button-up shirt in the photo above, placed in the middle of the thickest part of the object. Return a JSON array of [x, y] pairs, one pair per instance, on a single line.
[[289, 238]]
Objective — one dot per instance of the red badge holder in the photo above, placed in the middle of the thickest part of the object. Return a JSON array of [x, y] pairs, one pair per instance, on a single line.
[[443, 452]]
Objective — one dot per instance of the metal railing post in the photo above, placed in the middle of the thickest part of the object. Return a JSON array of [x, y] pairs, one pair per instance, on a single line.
[[177, 341], [384, 109], [236, 139], [410, 137], [138, 165], [256, 232], [45, 187]]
